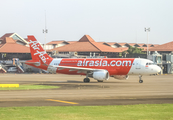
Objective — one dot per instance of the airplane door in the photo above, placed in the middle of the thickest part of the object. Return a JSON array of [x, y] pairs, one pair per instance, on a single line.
[[138, 64]]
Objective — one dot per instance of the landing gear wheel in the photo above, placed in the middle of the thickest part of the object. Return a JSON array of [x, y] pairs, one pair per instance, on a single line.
[[99, 80], [86, 80], [140, 81]]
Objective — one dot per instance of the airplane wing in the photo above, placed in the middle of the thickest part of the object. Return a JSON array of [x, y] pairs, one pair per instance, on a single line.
[[79, 69]]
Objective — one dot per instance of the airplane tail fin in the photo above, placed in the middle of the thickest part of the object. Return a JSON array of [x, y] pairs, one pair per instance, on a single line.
[[37, 51]]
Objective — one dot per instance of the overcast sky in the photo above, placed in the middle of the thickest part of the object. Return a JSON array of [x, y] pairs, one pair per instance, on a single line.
[[103, 20]]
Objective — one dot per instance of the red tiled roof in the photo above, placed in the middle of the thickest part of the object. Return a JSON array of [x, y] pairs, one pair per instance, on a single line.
[[145, 48], [156, 45], [9, 40], [78, 46], [164, 47], [103, 48], [121, 44], [111, 43], [70, 42], [6, 35], [26, 39], [85, 44], [121, 49], [86, 38], [1, 45], [12, 47], [141, 44], [132, 44], [101, 42], [104, 43], [149, 45], [55, 42]]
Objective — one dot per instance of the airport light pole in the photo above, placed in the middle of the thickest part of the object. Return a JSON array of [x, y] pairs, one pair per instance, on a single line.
[[45, 31], [147, 30]]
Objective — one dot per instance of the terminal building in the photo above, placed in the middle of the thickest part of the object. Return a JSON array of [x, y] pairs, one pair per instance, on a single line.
[[163, 56], [14, 46], [86, 46]]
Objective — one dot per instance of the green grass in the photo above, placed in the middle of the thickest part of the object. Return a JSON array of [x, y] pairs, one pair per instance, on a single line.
[[120, 112], [30, 87]]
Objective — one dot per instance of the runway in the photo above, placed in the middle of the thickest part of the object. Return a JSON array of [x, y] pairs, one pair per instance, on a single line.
[[155, 90]]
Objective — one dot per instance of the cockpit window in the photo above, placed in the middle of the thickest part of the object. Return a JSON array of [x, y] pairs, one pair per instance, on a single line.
[[149, 63]]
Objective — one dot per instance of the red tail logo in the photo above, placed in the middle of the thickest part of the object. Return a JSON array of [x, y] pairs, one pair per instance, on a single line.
[[37, 51]]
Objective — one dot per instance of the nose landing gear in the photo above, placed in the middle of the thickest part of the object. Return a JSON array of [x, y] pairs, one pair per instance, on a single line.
[[140, 79]]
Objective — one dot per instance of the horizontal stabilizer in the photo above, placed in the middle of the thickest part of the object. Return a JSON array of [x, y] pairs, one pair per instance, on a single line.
[[35, 63]]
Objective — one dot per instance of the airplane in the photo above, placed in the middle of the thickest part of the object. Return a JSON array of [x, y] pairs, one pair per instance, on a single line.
[[98, 68]]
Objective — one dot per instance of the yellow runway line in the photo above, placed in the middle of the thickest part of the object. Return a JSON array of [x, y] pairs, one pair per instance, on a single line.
[[9, 85], [62, 101]]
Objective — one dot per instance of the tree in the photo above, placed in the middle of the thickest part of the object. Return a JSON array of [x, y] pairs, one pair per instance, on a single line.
[[133, 50]]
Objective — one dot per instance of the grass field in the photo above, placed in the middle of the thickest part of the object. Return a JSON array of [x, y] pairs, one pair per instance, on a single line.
[[30, 87], [120, 112]]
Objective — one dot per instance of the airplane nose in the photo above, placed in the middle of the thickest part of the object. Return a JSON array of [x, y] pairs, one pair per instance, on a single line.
[[158, 69]]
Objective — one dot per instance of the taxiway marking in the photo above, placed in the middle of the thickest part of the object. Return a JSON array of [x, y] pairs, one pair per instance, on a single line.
[[62, 101]]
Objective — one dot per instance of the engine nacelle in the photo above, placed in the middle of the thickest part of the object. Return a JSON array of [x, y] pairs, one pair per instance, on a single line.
[[101, 75], [121, 77]]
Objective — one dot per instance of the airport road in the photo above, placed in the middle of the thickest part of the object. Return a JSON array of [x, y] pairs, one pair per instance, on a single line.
[[154, 90]]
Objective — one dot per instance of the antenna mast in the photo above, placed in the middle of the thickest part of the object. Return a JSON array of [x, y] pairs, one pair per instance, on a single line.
[[45, 31]]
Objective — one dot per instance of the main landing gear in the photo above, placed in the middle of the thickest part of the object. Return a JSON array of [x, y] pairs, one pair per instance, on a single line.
[[140, 79], [86, 80]]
